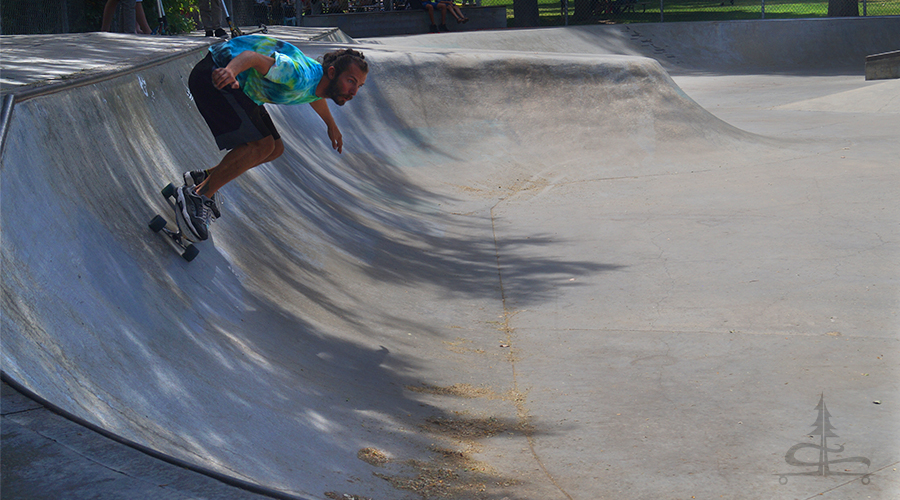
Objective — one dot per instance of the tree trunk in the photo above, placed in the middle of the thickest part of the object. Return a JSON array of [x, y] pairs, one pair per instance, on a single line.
[[582, 10], [843, 8], [525, 13]]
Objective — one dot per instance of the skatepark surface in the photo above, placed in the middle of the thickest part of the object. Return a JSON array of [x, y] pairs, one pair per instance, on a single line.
[[608, 262]]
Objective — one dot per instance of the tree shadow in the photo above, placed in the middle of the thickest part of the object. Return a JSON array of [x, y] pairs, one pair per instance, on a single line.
[[286, 331]]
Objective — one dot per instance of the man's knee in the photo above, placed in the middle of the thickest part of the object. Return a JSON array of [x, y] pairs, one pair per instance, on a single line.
[[268, 148], [277, 150], [262, 148]]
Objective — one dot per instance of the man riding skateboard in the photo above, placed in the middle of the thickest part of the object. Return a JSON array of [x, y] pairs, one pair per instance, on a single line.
[[230, 87]]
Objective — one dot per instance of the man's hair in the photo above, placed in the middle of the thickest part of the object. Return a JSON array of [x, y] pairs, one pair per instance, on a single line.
[[342, 59]]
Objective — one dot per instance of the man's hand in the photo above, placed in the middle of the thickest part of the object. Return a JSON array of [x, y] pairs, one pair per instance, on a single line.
[[244, 61], [337, 140], [223, 77], [321, 108]]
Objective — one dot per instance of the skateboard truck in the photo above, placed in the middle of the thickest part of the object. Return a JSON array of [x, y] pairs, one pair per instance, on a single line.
[[235, 30]]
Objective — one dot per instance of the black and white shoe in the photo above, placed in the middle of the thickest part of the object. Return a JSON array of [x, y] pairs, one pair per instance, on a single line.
[[198, 211], [195, 178]]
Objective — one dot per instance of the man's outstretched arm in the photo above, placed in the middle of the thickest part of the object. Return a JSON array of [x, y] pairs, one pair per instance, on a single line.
[[321, 107], [244, 61]]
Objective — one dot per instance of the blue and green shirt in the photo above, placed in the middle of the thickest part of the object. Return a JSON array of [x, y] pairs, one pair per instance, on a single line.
[[291, 80]]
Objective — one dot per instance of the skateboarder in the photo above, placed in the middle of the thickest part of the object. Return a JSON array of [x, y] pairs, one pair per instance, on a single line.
[[230, 87]]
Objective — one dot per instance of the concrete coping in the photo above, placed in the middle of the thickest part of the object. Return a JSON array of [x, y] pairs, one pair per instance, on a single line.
[[884, 55]]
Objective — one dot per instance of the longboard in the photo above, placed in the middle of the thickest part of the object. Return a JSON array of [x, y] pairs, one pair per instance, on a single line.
[[179, 236], [235, 30]]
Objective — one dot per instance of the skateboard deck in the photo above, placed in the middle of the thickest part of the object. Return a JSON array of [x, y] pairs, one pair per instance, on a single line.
[[261, 29], [179, 235]]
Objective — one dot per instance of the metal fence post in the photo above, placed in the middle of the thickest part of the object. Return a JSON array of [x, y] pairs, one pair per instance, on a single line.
[[763, 9]]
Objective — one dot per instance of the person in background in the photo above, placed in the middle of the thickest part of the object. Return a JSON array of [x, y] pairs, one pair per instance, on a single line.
[[290, 13], [261, 11], [313, 7], [211, 17], [138, 22], [455, 11], [429, 7], [277, 11]]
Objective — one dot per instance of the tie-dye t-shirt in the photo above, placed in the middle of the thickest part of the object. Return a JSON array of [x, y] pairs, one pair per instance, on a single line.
[[291, 80]]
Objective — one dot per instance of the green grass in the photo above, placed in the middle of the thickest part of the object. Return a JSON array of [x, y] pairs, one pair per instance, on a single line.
[[696, 10]]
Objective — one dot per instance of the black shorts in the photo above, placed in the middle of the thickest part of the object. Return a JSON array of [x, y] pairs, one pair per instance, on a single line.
[[233, 118]]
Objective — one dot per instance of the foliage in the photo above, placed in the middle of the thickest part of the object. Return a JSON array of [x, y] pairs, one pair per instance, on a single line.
[[180, 15]]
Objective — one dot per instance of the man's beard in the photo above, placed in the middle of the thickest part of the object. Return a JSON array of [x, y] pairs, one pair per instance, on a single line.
[[331, 92]]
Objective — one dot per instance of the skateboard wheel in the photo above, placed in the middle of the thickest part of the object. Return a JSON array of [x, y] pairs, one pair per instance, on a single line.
[[190, 253], [169, 191], [157, 223]]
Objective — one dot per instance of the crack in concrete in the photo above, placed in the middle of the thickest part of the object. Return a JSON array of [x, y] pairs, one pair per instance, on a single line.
[[521, 410]]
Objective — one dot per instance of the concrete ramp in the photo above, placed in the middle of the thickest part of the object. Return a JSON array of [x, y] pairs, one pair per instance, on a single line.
[[833, 46], [528, 276]]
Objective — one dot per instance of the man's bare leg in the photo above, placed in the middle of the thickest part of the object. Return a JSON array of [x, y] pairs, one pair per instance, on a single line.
[[108, 10], [238, 161], [430, 10]]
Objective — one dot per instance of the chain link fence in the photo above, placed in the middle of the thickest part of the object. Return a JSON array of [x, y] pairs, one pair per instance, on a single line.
[[73, 16], [570, 12]]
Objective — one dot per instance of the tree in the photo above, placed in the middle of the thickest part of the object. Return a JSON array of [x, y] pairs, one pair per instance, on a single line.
[[180, 15], [843, 8]]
